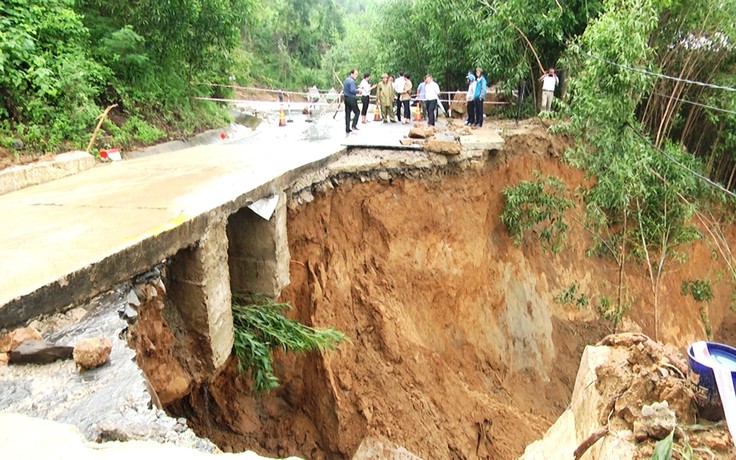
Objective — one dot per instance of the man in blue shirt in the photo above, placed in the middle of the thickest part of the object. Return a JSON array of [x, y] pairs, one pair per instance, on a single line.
[[350, 94], [481, 87]]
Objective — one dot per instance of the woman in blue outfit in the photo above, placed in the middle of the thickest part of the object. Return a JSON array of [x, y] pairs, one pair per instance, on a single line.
[[481, 88]]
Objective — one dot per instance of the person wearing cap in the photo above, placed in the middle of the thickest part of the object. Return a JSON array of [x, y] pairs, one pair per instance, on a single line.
[[481, 87], [470, 78], [386, 94], [432, 95]]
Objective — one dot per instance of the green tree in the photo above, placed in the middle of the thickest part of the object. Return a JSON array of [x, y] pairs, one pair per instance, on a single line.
[[640, 204], [47, 77]]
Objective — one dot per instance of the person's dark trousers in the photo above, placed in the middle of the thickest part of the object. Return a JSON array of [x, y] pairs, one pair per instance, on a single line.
[[478, 102], [351, 106], [398, 108], [431, 110], [471, 112], [407, 110], [365, 100]]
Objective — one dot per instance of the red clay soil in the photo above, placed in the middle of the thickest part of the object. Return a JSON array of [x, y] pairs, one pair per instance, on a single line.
[[457, 348]]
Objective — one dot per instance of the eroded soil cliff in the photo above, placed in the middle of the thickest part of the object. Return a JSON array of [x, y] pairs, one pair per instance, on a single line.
[[457, 348]]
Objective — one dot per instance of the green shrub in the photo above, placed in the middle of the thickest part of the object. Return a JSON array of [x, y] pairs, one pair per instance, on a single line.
[[700, 290], [531, 204]]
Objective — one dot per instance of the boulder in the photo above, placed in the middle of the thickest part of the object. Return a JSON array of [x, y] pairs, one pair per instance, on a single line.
[[4, 359], [92, 352], [422, 131], [18, 336], [39, 352], [443, 146]]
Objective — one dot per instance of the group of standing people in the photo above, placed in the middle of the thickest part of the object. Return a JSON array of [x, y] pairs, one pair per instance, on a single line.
[[398, 93], [390, 92]]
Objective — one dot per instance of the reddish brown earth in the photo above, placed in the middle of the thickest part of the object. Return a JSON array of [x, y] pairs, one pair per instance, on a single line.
[[457, 348]]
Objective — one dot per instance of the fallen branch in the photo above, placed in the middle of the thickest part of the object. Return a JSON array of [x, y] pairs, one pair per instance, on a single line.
[[589, 441], [99, 125]]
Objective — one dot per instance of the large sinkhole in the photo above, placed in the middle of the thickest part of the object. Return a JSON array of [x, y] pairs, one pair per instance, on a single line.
[[456, 348]]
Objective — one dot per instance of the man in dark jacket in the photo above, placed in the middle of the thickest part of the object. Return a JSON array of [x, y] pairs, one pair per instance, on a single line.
[[350, 94]]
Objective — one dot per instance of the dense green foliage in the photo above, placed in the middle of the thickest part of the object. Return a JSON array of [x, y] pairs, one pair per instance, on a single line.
[[62, 62], [285, 40], [261, 327], [48, 79]]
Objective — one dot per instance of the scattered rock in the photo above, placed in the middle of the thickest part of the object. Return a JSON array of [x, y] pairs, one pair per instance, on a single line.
[[445, 147], [656, 421], [422, 131], [306, 196], [92, 352], [132, 299], [127, 313], [18, 336], [39, 352]]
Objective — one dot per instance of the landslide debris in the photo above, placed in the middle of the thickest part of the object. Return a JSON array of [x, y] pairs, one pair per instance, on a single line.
[[631, 392]]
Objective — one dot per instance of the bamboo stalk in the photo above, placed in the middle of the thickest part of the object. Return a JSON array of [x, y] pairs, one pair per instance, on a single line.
[[99, 125]]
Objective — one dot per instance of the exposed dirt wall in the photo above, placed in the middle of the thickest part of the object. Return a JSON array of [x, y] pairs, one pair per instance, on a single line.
[[457, 348]]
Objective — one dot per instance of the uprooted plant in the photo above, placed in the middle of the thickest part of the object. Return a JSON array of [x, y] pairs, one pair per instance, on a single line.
[[261, 326]]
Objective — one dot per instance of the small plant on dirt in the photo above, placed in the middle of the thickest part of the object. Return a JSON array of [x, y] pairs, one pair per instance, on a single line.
[[530, 204], [700, 290], [261, 326], [570, 296], [610, 311]]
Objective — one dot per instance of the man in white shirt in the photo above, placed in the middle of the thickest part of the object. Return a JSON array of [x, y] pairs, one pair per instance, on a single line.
[[432, 95], [399, 88], [549, 82]]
